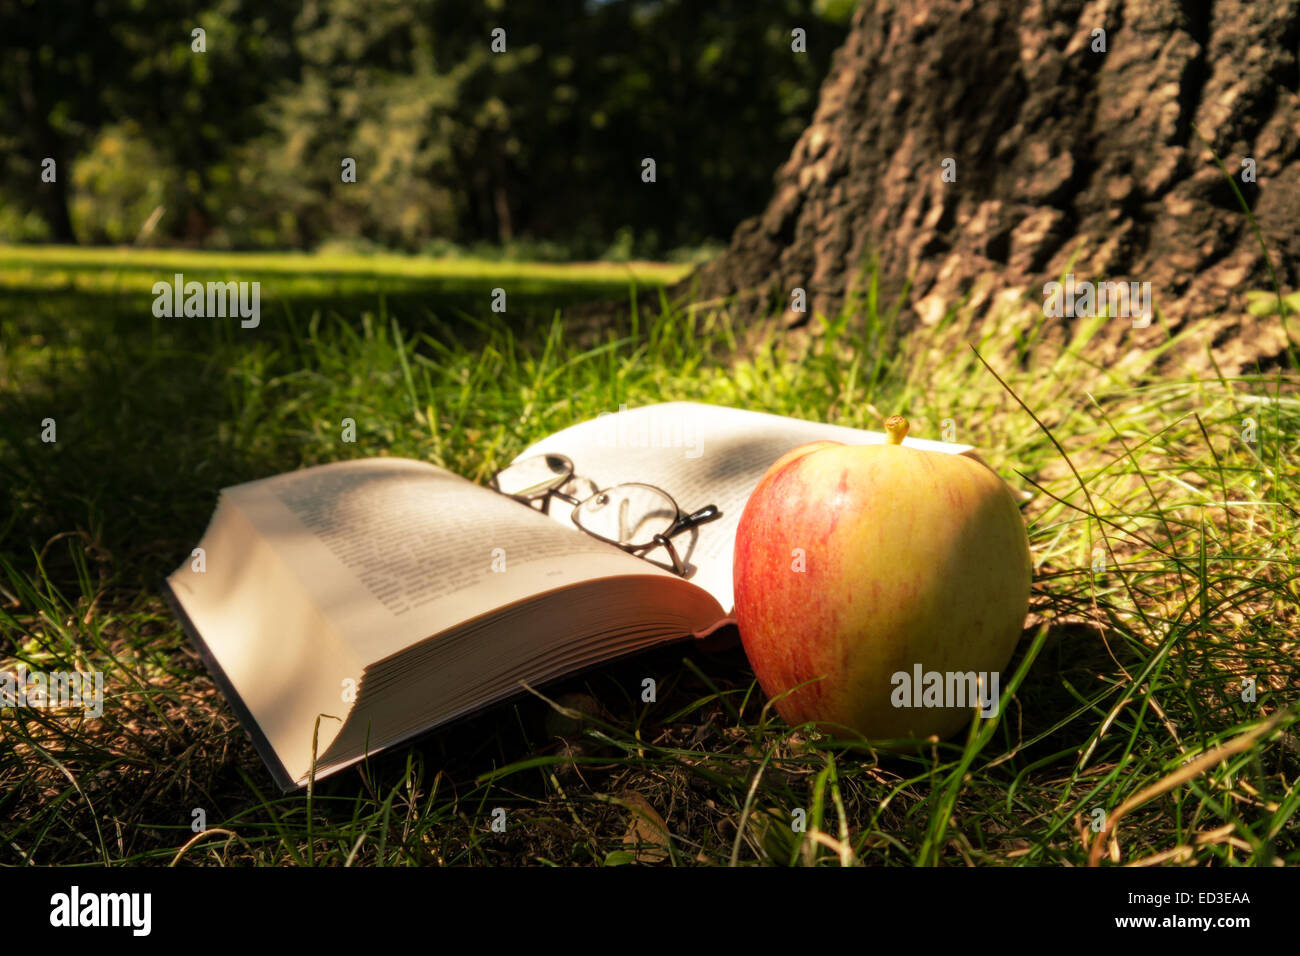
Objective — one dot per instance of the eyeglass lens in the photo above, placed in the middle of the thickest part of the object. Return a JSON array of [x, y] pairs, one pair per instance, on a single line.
[[534, 477], [629, 514]]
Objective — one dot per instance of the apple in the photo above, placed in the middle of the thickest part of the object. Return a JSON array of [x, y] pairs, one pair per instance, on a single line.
[[862, 571]]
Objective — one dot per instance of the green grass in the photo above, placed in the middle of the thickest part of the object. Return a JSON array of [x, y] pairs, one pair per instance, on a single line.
[[59, 280], [1126, 699]]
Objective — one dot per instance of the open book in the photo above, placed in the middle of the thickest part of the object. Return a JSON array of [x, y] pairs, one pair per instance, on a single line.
[[368, 601]]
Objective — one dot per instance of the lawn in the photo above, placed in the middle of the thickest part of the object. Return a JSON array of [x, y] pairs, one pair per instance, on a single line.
[[1156, 690]]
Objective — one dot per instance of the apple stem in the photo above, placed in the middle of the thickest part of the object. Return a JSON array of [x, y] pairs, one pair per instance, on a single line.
[[896, 425]]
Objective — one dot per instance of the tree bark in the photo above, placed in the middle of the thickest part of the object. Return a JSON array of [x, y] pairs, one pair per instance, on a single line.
[[1060, 150]]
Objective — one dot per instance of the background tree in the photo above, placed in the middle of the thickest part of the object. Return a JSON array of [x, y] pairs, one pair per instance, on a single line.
[[50, 108], [1062, 147], [241, 145]]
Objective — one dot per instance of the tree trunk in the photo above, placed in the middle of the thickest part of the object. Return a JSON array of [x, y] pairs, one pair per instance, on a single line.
[[42, 138], [1060, 149]]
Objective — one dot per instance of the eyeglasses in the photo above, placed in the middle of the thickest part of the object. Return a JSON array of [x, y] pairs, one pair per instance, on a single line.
[[636, 517]]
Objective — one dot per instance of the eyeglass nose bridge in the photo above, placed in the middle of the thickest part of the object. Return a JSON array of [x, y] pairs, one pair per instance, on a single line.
[[590, 492]]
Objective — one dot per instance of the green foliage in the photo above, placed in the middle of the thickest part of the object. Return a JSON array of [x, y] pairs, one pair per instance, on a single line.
[[539, 143], [836, 11], [22, 225], [119, 184]]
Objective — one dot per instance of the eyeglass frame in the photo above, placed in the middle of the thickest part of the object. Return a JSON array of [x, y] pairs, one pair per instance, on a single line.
[[682, 522]]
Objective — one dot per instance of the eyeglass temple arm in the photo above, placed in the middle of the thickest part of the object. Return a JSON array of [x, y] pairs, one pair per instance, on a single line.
[[684, 522], [678, 564]]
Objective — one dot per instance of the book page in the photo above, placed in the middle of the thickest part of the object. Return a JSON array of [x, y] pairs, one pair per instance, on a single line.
[[701, 455], [275, 655], [393, 550], [315, 592]]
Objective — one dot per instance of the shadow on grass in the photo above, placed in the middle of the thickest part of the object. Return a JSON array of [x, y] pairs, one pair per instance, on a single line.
[[150, 417], [144, 409]]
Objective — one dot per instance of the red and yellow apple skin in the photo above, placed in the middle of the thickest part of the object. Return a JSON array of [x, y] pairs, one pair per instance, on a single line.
[[909, 557]]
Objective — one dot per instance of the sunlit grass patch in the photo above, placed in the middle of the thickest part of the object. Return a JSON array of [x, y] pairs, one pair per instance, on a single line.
[[1162, 523]]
